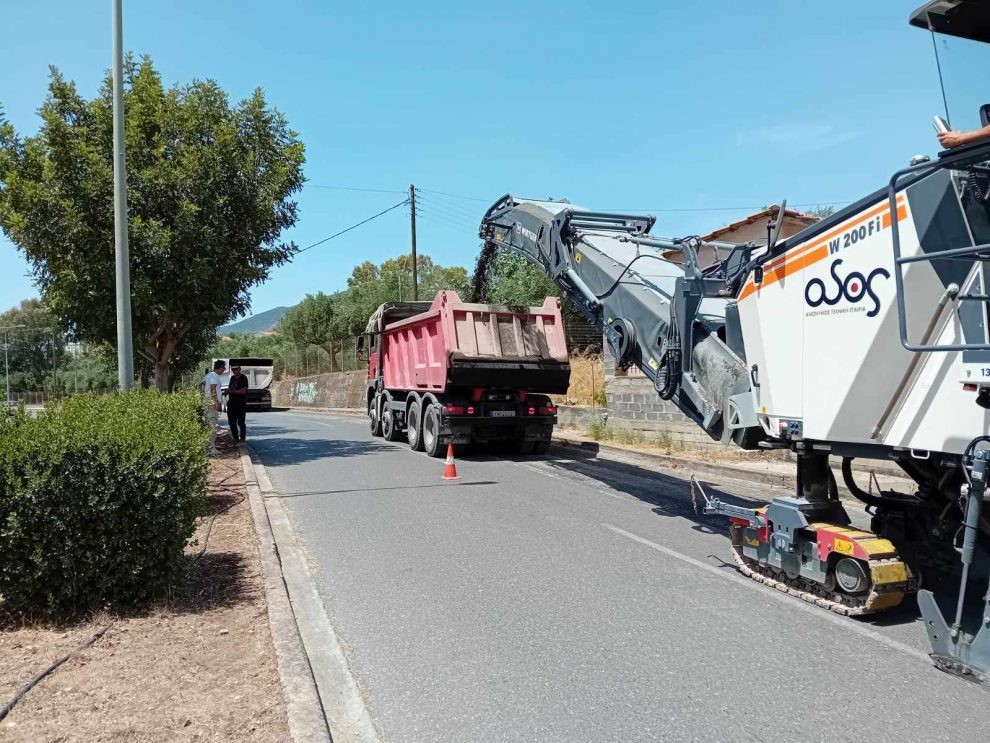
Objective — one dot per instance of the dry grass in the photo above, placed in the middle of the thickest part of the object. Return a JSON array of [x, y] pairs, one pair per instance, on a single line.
[[587, 385], [664, 441]]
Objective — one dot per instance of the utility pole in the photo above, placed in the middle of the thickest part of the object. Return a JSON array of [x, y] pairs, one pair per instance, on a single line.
[[412, 216], [125, 340]]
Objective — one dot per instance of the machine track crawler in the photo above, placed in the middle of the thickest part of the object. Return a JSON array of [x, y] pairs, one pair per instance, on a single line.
[[865, 336]]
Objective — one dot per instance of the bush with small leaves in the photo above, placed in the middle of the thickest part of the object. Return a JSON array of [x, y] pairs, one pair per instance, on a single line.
[[98, 497]]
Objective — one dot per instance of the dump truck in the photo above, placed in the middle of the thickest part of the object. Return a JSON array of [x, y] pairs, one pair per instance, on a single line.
[[452, 372], [260, 374]]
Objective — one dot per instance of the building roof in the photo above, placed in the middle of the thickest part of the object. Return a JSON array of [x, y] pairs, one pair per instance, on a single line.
[[789, 214]]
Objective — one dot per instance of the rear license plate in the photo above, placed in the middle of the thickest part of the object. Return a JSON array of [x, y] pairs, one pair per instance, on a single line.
[[503, 413]]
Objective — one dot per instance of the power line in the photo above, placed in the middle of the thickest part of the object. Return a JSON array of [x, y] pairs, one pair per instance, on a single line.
[[466, 221], [353, 226], [471, 214], [446, 220], [455, 195], [433, 195], [350, 188]]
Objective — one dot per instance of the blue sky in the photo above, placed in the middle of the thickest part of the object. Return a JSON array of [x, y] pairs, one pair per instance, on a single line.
[[648, 105]]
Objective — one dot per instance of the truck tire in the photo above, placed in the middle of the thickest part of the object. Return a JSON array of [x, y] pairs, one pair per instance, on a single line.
[[431, 432], [390, 430], [374, 419], [541, 447], [414, 427]]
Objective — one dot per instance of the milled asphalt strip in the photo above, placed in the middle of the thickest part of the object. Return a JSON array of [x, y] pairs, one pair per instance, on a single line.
[[303, 708], [347, 714], [793, 603]]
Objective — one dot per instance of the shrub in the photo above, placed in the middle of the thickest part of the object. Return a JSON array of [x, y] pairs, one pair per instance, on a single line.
[[98, 498]]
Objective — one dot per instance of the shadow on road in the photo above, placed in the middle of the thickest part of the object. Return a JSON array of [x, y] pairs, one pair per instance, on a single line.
[[280, 450], [670, 496], [379, 490]]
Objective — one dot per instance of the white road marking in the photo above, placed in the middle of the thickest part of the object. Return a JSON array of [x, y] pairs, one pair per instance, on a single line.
[[792, 602]]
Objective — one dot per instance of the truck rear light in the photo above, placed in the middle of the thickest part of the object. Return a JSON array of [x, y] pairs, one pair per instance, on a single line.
[[454, 409], [522, 395], [547, 410], [532, 410], [470, 409], [477, 394]]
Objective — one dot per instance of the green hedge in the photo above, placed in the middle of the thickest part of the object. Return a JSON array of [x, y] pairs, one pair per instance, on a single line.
[[98, 498]]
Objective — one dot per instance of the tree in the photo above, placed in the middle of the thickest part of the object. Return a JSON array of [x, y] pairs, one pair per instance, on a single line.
[[517, 280], [821, 211], [315, 321], [36, 347], [209, 187]]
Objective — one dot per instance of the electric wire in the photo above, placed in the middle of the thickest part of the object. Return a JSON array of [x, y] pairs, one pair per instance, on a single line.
[[431, 211], [352, 188], [353, 226], [437, 219], [472, 214]]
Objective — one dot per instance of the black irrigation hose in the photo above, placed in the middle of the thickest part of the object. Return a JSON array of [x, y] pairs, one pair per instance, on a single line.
[[5, 710], [209, 529]]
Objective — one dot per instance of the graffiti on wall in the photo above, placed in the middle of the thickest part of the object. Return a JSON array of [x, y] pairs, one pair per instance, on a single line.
[[304, 392]]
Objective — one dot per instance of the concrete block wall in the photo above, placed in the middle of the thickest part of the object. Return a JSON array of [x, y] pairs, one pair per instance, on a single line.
[[633, 403], [336, 390]]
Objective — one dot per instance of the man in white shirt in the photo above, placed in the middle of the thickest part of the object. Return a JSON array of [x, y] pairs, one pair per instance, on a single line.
[[213, 386]]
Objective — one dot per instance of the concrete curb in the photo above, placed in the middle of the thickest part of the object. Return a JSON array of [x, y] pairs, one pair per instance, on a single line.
[[681, 464], [688, 467], [303, 708], [338, 697], [349, 412]]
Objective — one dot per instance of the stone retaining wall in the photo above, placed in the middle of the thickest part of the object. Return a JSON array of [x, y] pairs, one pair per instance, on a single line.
[[336, 390]]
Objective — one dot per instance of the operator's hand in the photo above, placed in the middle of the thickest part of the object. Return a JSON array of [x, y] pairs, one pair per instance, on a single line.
[[217, 407], [952, 139]]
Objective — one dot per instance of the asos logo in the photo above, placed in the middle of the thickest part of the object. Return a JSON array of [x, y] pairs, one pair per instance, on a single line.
[[853, 288]]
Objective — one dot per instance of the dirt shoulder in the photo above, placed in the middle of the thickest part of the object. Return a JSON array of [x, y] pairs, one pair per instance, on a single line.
[[198, 666]]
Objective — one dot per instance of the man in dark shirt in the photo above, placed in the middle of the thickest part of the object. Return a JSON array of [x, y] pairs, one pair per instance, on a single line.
[[237, 403]]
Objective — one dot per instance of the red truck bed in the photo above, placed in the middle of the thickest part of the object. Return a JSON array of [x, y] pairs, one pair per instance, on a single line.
[[459, 344]]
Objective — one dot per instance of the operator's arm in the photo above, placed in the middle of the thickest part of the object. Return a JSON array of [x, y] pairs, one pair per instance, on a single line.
[[957, 139], [215, 394]]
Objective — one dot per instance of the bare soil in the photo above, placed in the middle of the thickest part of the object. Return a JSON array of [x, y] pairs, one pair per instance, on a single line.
[[198, 666]]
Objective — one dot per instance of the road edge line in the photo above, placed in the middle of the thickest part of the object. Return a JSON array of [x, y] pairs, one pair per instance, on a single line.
[[300, 697], [347, 713]]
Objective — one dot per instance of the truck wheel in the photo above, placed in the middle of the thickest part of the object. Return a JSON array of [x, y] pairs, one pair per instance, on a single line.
[[520, 446], [389, 430], [414, 427], [374, 419], [541, 447], [431, 432]]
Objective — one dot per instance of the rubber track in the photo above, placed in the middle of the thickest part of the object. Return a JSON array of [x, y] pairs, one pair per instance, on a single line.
[[815, 593]]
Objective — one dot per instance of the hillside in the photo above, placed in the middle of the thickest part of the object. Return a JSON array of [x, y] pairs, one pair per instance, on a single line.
[[259, 323]]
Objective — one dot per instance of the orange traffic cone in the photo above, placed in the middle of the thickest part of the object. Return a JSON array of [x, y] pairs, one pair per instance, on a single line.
[[450, 470]]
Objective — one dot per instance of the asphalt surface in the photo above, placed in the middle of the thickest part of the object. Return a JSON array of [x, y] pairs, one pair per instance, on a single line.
[[564, 599]]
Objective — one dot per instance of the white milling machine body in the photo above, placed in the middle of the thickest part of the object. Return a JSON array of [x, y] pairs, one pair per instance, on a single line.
[[863, 336]]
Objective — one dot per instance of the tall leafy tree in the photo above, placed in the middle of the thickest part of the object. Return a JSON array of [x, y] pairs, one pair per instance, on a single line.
[[34, 346], [209, 195]]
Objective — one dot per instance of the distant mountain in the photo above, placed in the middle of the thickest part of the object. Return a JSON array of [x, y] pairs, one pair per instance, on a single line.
[[260, 323]]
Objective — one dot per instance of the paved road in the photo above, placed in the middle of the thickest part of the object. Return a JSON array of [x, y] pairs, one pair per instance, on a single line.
[[579, 599]]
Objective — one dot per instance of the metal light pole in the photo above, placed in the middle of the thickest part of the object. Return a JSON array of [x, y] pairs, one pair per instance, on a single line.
[[125, 350]]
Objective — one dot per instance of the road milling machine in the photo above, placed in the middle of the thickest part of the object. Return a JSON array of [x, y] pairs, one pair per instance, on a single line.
[[863, 336]]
